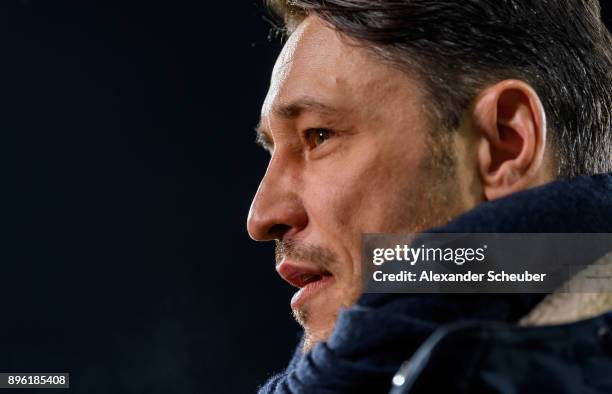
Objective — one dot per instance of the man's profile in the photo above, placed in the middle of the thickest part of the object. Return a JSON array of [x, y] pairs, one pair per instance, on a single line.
[[406, 115]]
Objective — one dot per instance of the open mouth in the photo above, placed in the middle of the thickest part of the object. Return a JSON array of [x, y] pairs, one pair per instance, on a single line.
[[305, 279], [310, 281]]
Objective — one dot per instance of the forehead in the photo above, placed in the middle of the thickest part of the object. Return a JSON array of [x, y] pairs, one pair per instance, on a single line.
[[318, 62]]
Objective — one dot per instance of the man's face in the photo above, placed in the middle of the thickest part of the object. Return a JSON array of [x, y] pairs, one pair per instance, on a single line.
[[352, 152]]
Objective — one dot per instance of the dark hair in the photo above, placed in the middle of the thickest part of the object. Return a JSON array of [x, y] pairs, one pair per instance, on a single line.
[[457, 47]]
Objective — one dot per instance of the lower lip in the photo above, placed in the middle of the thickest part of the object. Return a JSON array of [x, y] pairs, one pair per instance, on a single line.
[[310, 290]]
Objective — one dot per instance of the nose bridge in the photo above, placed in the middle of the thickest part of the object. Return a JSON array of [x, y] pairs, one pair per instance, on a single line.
[[277, 207]]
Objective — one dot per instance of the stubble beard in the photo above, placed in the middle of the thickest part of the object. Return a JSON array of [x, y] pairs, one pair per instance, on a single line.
[[434, 204]]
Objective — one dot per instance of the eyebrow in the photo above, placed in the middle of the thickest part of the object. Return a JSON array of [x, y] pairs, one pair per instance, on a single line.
[[295, 108], [290, 111], [262, 138]]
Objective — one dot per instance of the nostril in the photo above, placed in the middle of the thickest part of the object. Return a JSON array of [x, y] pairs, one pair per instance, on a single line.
[[277, 231]]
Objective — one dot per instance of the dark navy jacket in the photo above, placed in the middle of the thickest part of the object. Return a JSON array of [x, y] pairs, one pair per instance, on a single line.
[[502, 358], [375, 337]]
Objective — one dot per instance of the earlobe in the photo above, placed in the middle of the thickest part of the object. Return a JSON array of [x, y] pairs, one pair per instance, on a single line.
[[509, 121]]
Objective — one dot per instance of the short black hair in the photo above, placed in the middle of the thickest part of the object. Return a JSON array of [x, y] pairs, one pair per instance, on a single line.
[[458, 47]]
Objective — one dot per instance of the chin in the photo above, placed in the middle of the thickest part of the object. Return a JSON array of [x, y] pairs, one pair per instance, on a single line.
[[314, 334], [319, 319]]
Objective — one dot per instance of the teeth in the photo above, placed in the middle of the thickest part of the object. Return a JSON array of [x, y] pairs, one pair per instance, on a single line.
[[306, 277]]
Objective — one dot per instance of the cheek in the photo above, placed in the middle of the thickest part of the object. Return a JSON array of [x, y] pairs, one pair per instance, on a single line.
[[362, 190]]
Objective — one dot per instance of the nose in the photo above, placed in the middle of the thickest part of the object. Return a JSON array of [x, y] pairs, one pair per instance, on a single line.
[[277, 210]]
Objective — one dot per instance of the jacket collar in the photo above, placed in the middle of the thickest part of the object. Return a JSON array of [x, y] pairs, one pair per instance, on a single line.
[[579, 205], [562, 307]]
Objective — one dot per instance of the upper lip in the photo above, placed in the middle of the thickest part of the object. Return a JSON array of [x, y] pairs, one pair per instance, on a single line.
[[299, 275]]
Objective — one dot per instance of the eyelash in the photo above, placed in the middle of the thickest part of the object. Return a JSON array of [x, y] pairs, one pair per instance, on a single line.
[[316, 133]]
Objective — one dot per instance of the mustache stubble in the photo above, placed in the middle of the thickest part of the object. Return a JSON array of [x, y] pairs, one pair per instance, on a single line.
[[323, 257]]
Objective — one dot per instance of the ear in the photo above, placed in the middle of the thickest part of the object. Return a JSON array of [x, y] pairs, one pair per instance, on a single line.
[[510, 124]]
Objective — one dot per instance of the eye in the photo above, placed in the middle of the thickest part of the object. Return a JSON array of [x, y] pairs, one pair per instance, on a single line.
[[316, 137]]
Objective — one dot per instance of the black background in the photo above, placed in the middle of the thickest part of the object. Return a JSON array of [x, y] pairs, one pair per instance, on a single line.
[[128, 167]]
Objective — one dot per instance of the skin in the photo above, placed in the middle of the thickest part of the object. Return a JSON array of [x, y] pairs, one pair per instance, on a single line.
[[376, 166]]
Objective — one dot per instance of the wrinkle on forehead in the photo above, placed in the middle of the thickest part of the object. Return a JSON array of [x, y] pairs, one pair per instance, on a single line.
[[303, 46], [317, 61]]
